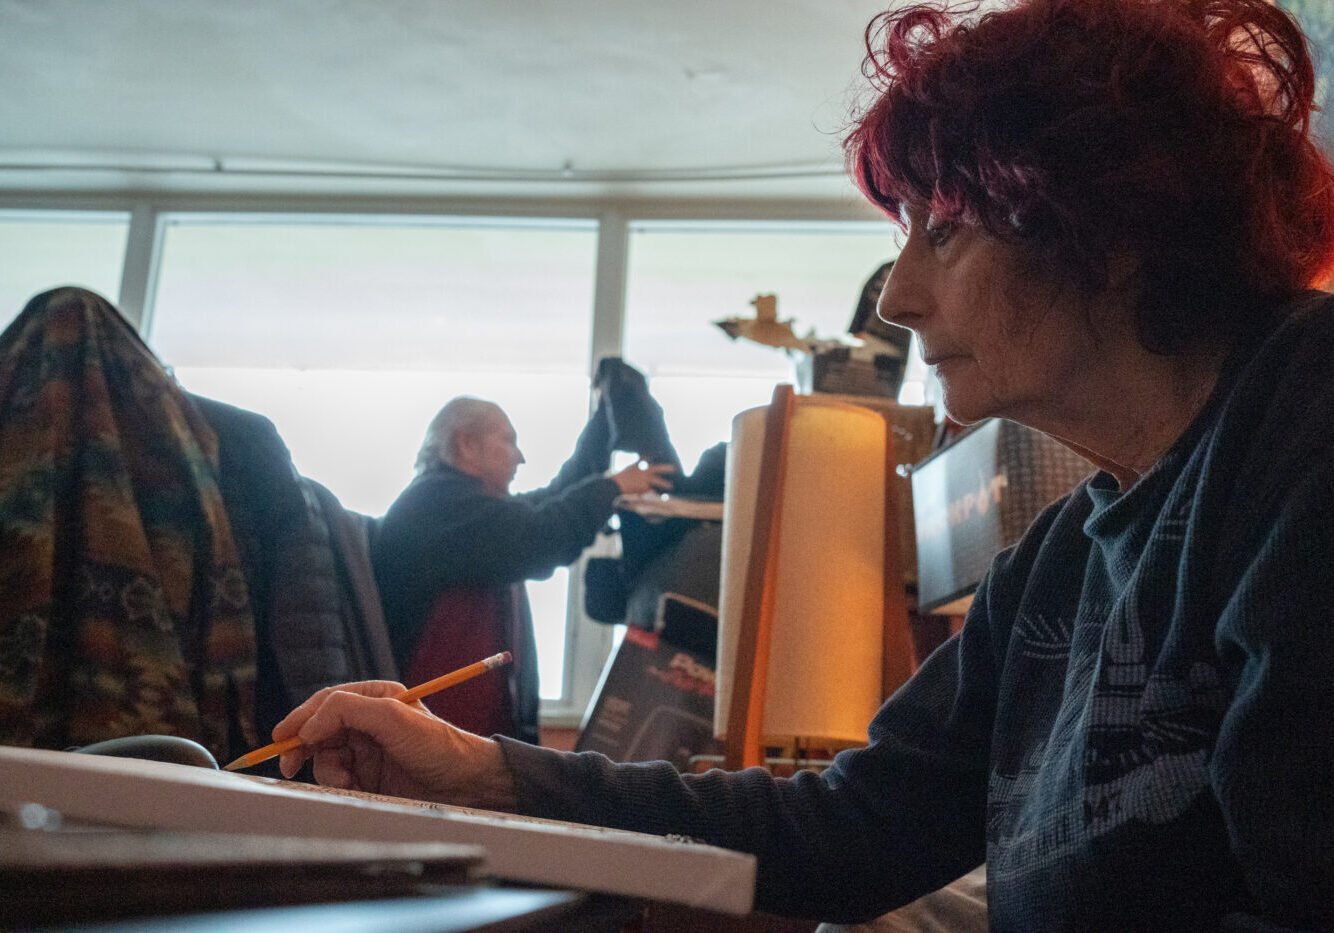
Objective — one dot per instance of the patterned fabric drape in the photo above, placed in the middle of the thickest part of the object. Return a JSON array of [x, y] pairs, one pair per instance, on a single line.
[[123, 607]]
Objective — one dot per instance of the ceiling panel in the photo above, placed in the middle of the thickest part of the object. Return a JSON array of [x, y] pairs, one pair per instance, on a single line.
[[681, 99]]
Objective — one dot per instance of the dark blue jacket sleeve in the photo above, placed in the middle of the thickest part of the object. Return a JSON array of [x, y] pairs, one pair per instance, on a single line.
[[1273, 767]]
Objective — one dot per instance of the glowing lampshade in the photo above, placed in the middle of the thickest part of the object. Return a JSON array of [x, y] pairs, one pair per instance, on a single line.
[[827, 590]]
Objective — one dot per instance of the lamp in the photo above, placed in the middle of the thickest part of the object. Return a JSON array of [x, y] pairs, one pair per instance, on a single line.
[[813, 629]]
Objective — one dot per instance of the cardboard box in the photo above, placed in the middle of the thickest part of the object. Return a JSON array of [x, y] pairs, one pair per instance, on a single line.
[[976, 497], [655, 703], [850, 371]]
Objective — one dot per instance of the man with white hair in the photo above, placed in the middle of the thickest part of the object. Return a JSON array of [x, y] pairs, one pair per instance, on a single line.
[[454, 549]]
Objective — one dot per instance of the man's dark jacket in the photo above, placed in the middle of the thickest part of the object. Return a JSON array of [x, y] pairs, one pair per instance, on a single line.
[[447, 548]]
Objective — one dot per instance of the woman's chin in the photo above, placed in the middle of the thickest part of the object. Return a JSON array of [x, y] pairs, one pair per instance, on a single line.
[[963, 410]]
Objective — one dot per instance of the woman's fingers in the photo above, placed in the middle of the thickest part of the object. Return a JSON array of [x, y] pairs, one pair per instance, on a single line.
[[289, 763], [381, 718], [330, 709], [333, 768], [291, 723]]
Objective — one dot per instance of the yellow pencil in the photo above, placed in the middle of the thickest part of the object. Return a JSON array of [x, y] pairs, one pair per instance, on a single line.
[[407, 696]]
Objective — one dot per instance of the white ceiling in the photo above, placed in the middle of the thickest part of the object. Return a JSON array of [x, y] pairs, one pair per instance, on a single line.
[[517, 98]]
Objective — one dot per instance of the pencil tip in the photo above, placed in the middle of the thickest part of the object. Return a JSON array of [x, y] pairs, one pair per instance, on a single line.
[[236, 765]]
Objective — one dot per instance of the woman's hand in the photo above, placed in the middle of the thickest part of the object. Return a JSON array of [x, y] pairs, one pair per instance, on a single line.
[[639, 478], [360, 738]]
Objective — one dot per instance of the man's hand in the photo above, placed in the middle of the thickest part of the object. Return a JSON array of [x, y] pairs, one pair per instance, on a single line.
[[639, 478], [362, 739]]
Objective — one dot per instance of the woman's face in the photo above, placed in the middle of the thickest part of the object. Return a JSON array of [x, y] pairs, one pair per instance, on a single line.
[[1002, 343]]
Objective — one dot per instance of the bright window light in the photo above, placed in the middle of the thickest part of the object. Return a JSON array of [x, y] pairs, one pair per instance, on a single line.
[[350, 333], [40, 250], [684, 277]]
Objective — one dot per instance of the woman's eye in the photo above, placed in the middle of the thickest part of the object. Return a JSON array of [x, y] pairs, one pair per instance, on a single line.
[[939, 231]]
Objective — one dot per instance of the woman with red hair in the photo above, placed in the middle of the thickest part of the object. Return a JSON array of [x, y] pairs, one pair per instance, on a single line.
[[1114, 211]]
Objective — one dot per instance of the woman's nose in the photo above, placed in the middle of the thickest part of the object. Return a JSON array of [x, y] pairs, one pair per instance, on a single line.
[[891, 307], [897, 303]]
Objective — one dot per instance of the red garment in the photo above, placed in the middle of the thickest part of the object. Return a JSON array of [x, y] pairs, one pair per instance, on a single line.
[[470, 622]]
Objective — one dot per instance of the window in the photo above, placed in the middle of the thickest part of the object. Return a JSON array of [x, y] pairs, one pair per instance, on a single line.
[[684, 277], [40, 250], [349, 333]]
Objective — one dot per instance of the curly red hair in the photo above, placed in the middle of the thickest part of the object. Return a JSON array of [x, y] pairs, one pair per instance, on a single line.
[[1177, 131]]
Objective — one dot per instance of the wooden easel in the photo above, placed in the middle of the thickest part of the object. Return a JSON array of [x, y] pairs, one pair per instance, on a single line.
[[744, 746]]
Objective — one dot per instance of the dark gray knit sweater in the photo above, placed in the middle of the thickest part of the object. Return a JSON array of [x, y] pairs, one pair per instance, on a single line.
[[1135, 728]]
